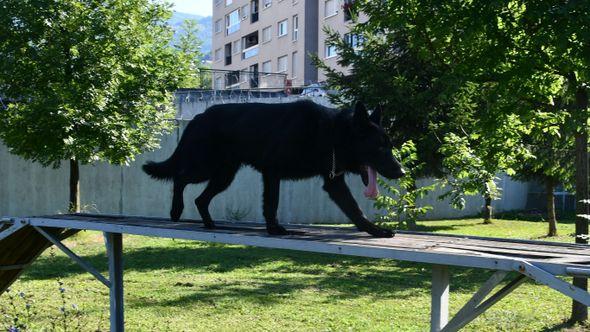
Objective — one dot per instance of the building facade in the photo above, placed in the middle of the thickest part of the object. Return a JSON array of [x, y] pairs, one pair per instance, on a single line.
[[253, 40]]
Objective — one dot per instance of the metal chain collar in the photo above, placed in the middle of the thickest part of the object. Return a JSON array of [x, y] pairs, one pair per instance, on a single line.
[[333, 173]]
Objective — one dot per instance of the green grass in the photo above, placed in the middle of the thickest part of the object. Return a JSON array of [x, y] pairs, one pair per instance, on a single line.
[[195, 286]]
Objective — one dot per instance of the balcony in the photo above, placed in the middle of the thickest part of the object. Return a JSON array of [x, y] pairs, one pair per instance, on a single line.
[[250, 52]]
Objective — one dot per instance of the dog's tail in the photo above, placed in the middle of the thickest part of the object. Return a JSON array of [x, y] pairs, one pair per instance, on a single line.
[[161, 171]]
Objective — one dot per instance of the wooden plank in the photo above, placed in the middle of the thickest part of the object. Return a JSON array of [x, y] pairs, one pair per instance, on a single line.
[[411, 244], [285, 242], [22, 248], [523, 245], [508, 245]]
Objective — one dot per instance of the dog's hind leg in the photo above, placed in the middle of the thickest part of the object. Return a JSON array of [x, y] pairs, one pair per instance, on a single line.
[[177, 200], [218, 183], [272, 185], [340, 194]]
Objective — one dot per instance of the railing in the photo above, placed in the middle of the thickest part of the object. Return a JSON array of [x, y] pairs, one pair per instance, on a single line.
[[217, 79], [250, 52]]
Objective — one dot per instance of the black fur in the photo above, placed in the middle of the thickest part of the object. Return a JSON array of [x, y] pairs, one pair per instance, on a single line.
[[282, 141]]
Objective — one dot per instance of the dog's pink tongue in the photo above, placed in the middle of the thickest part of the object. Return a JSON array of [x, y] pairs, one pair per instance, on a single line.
[[371, 191]]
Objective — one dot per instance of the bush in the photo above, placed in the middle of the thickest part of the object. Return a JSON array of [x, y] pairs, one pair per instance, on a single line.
[[399, 204]]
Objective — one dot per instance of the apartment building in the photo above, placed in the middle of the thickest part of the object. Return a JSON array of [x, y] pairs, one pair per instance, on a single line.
[[336, 15], [264, 37]]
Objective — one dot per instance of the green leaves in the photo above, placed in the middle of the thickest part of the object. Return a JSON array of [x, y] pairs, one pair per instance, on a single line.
[[88, 80], [481, 87], [189, 48], [401, 202]]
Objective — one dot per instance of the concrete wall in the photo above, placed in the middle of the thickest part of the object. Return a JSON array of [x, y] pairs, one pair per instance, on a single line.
[[28, 189]]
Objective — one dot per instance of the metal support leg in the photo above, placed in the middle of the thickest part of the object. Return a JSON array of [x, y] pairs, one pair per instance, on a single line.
[[114, 244], [479, 296], [86, 266], [470, 315], [439, 314], [544, 277]]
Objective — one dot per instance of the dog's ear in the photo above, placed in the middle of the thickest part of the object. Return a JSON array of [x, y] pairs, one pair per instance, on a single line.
[[377, 115], [361, 116]]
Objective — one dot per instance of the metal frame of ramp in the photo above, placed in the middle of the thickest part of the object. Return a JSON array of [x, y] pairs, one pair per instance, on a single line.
[[540, 261]]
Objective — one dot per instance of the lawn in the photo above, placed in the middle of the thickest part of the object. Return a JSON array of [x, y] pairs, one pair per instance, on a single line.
[[195, 286]]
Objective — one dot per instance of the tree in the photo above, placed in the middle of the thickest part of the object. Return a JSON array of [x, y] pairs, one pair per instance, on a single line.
[[427, 94], [552, 160], [401, 202], [189, 46], [89, 80], [384, 70], [523, 56]]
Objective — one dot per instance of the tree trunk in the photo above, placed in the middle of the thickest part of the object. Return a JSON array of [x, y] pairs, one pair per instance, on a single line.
[[549, 188], [74, 205], [580, 311], [487, 210], [411, 220]]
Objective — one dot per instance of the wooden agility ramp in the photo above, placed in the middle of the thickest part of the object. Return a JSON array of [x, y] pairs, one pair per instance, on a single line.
[[20, 245]]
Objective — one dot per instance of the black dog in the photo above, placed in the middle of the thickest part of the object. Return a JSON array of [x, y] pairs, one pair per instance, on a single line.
[[282, 141]]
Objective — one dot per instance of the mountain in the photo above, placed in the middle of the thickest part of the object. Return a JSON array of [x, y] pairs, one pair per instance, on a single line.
[[205, 29]]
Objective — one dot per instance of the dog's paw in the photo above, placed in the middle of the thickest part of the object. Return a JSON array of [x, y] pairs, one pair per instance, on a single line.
[[376, 231], [276, 230]]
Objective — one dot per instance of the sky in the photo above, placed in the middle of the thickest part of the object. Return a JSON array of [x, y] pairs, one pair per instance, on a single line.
[[198, 7]]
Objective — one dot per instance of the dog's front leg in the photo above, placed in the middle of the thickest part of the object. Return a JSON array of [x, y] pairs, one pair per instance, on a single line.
[[340, 194], [272, 185]]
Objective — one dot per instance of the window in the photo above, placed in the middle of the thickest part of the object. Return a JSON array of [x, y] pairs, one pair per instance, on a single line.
[[267, 3], [330, 8], [228, 54], [232, 22], [353, 40], [295, 35], [254, 8], [236, 46], [245, 12], [244, 75], [266, 34], [217, 55], [228, 2], [218, 26], [283, 28], [294, 65], [267, 67], [232, 79], [282, 64], [250, 45], [254, 76], [330, 51], [348, 10], [219, 82]]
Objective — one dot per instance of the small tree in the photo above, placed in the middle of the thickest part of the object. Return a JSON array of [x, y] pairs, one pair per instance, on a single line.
[[89, 80], [189, 46], [400, 204], [552, 160], [479, 143]]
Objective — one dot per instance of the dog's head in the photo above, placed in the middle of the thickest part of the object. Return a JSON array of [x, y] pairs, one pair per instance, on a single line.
[[372, 148]]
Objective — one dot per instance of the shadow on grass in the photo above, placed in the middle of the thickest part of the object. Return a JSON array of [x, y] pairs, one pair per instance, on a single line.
[[563, 217], [566, 326], [424, 227], [273, 274]]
